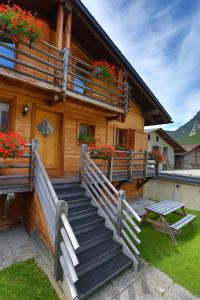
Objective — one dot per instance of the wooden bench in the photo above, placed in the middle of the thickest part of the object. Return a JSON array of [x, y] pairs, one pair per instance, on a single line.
[[184, 221]]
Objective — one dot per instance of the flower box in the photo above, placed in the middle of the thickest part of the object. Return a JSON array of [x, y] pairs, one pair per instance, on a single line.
[[104, 70], [12, 145], [20, 24]]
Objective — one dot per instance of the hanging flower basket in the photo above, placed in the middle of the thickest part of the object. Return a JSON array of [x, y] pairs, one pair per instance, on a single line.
[[20, 24], [156, 155], [104, 70], [103, 153], [12, 145]]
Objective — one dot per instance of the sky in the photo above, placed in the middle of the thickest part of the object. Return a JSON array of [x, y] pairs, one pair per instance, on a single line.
[[161, 39]]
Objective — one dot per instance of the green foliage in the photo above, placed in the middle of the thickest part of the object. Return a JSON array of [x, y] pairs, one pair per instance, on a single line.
[[180, 262], [86, 139], [25, 281]]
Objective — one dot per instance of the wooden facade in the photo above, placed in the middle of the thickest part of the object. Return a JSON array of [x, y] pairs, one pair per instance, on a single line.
[[38, 80]]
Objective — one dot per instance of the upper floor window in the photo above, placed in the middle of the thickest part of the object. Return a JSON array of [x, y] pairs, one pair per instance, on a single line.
[[7, 52], [4, 115], [149, 137], [155, 148], [80, 80], [157, 138], [121, 137]]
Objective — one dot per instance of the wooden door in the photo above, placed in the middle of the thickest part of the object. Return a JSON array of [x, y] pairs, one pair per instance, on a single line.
[[48, 128]]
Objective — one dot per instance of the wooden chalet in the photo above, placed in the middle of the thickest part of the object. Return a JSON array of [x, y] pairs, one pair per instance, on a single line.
[[50, 94]]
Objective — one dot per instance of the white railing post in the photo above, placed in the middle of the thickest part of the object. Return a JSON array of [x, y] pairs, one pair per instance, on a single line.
[[121, 197], [34, 147], [61, 207]]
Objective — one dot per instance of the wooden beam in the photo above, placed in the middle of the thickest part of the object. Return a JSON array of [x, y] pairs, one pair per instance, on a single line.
[[59, 26], [68, 25]]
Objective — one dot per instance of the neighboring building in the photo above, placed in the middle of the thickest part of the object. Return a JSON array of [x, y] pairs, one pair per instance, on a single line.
[[51, 92], [191, 159], [158, 139]]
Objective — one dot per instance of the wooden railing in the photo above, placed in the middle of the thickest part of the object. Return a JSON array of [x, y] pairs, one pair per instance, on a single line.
[[61, 233], [17, 176], [111, 201], [91, 85], [126, 166], [44, 65]]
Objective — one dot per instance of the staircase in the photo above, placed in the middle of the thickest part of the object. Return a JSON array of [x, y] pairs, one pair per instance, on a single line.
[[100, 256]]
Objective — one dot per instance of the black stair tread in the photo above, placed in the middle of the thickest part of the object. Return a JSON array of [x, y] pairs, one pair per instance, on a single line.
[[98, 232], [97, 251], [94, 279], [86, 221], [75, 198], [82, 208]]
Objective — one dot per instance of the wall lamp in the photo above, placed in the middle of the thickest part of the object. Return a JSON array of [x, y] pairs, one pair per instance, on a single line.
[[25, 110]]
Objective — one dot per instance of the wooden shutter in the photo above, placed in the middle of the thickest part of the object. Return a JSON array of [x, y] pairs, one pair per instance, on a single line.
[[131, 139]]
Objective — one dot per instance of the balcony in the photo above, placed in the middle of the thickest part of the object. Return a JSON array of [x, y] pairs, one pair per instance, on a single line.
[[46, 67]]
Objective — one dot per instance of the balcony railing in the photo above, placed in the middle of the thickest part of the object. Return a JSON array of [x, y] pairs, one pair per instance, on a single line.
[[46, 66]]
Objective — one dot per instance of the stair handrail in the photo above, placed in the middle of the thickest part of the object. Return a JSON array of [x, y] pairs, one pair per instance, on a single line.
[[61, 233], [113, 202]]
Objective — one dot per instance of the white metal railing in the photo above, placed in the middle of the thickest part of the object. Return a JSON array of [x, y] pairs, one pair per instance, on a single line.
[[116, 208], [61, 233]]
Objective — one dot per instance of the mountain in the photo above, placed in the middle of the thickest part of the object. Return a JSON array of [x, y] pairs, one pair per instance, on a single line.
[[189, 133]]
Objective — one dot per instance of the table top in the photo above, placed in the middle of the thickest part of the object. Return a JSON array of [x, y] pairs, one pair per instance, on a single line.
[[164, 207]]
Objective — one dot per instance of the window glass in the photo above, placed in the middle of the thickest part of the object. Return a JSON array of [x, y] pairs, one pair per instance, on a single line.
[[86, 130], [80, 79], [149, 137], [7, 52], [156, 148], [4, 116], [121, 137], [157, 138]]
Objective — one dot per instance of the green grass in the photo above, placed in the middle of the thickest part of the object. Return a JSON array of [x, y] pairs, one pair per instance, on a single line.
[[25, 281], [181, 262]]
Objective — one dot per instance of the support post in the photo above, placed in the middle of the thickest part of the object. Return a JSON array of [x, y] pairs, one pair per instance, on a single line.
[[68, 24], [59, 25], [126, 98], [121, 197], [145, 163], [65, 69], [131, 164], [84, 148], [35, 146], [110, 168], [61, 207]]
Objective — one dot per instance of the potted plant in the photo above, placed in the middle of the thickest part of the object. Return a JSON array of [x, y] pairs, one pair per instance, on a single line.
[[86, 139], [20, 24], [102, 153], [104, 70], [12, 145], [157, 156]]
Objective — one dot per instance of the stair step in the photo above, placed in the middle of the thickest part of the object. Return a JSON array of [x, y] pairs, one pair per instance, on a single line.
[[93, 237], [96, 278], [72, 194], [76, 202], [97, 255], [79, 212], [185, 220], [85, 224], [66, 185], [68, 190]]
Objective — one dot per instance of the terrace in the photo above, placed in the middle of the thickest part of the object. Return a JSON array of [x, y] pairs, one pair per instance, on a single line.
[[44, 66]]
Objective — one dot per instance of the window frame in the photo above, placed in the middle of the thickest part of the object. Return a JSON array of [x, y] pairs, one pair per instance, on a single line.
[[14, 56], [80, 74], [125, 138], [79, 123], [12, 104]]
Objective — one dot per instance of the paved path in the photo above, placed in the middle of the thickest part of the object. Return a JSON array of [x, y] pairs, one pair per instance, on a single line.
[[148, 284]]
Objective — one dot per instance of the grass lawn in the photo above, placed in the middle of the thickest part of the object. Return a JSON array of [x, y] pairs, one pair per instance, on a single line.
[[182, 262], [25, 281]]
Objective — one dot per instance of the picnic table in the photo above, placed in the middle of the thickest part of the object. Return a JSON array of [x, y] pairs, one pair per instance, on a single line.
[[162, 210]]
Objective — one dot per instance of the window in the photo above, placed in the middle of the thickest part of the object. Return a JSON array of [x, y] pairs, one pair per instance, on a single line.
[[157, 138], [121, 137], [7, 52], [155, 148], [165, 152], [86, 133], [4, 115], [80, 80], [149, 137]]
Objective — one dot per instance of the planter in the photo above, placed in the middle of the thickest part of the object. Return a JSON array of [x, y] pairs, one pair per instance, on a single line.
[[104, 70], [20, 24]]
